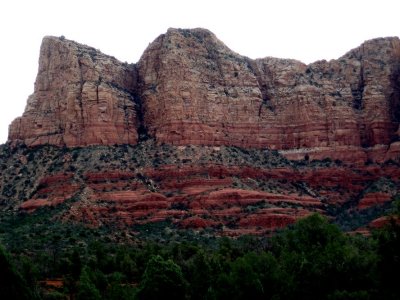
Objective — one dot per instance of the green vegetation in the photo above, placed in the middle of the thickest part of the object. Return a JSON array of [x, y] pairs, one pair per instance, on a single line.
[[23, 168], [312, 259], [47, 256], [12, 284]]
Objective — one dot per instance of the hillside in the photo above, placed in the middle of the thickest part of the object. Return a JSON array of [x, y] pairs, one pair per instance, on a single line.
[[202, 137], [198, 173]]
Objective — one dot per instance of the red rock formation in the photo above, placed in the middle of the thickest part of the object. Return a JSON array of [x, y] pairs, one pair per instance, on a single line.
[[189, 88], [51, 191], [82, 97], [383, 221], [192, 202], [195, 90], [192, 89], [205, 196], [373, 199], [197, 222]]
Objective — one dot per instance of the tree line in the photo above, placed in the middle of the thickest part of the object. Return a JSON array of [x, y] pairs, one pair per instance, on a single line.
[[313, 259]]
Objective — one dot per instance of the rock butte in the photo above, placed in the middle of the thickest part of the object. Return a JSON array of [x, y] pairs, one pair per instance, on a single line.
[[189, 88]]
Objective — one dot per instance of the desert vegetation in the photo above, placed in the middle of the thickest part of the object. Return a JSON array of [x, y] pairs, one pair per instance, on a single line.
[[312, 259]]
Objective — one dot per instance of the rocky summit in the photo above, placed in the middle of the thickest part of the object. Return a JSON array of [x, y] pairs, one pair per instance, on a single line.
[[190, 89], [82, 97], [201, 136]]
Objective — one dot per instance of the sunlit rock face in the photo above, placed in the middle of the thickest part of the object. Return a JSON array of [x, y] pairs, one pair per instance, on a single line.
[[189, 88]]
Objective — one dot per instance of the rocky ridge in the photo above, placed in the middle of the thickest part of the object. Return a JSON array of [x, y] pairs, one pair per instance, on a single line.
[[198, 136], [189, 88]]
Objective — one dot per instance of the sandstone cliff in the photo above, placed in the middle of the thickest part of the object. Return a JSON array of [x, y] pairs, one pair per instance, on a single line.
[[195, 90], [81, 97], [189, 88]]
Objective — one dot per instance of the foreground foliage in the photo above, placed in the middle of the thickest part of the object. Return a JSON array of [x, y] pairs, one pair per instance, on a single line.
[[311, 260]]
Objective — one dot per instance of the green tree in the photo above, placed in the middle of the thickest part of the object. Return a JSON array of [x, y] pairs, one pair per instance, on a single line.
[[12, 285], [76, 264], [266, 271], [245, 280], [118, 289], [199, 275], [126, 265], [252, 276], [30, 273], [389, 260], [162, 279], [317, 259], [86, 288]]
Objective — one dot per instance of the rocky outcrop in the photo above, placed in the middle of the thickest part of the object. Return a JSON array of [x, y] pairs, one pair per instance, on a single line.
[[195, 90], [188, 199], [51, 191], [374, 199], [230, 200], [189, 88], [82, 97]]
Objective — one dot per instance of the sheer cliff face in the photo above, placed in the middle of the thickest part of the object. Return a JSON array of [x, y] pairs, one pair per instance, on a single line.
[[192, 89], [82, 97], [197, 91]]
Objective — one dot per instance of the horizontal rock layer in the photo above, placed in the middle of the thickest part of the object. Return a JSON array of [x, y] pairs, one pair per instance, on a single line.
[[189, 88], [195, 90], [228, 199], [82, 97]]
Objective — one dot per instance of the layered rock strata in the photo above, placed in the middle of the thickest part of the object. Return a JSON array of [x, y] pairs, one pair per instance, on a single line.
[[189, 88], [231, 200], [195, 90], [82, 97]]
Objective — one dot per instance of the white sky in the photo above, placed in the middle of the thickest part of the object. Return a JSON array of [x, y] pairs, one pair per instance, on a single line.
[[306, 30]]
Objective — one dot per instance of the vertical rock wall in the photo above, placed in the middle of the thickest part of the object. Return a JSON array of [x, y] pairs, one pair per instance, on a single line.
[[82, 97], [195, 90], [189, 88]]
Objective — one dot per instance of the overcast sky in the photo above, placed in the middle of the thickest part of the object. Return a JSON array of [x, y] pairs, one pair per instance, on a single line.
[[306, 30]]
